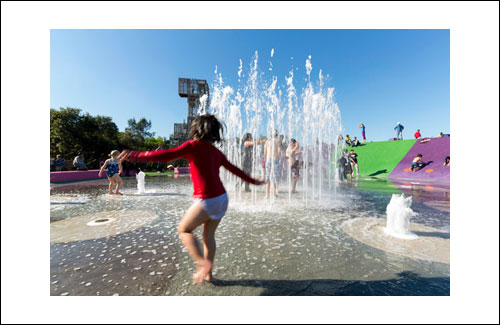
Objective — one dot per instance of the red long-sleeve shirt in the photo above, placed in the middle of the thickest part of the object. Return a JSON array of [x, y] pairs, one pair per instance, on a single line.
[[204, 162]]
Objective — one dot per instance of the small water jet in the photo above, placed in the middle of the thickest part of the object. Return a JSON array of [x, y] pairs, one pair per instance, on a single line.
[[141, 182], [398, 217]]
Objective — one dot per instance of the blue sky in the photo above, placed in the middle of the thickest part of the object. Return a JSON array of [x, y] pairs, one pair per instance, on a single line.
[[380, 76]]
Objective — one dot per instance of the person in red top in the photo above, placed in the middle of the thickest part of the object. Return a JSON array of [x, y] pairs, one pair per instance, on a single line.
[[417, 134], [212, 201]]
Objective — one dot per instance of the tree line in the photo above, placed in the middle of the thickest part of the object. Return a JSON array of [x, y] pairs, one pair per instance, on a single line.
[[73, 131]]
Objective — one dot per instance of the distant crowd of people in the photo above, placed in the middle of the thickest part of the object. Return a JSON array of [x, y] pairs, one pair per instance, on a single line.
[[348, 163], [275, 151]]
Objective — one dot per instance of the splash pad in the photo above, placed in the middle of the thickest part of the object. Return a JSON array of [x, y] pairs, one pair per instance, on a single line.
[[304, 243]]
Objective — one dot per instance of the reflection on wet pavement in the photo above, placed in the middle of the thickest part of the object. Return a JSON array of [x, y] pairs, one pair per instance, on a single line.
[[280, 247]]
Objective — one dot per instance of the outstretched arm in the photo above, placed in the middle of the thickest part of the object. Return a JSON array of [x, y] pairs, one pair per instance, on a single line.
[[103, 167], [253, 143], [164, 155], [238, 172]]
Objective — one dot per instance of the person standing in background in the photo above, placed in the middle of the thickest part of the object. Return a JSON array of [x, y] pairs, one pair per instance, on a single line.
[[79, 163], [272, 152], [362, 126], [353, 159], [59, 163], [417, 134], [247, 155], [399, 131], [291, 154], [159, 166]]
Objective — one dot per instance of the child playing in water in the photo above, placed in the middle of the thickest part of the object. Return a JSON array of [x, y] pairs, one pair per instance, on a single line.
[[113, 168], [211, 197], [272, 152], [353, 159], [417, 163], [344, 166], [247, 154], [291, 155]]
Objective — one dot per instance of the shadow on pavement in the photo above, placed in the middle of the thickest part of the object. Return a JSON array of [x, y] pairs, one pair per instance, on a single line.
[[406, 284]]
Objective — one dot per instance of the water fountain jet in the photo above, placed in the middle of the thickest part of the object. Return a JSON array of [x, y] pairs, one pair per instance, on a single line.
[[398, 217], [303, 109], [141, 182]]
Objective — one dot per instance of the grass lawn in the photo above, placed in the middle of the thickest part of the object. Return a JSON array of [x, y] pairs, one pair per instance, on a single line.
[[168, 172]]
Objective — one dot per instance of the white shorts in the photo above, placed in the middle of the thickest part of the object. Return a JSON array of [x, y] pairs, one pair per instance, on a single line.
[[215, 207]]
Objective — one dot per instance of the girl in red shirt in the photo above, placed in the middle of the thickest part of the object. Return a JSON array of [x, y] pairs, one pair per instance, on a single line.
[[211, 197]]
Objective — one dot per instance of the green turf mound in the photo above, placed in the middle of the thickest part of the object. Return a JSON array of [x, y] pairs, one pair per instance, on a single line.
[[380, 158]]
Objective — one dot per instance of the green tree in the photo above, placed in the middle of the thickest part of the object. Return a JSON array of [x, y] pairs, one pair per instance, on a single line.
[[135, 134], [72, 132], [140, 128], [151, 143]]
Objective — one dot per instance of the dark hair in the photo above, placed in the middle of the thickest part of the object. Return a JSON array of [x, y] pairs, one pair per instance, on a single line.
[[293, 140], [247, 137], [419, 155], [206, 127]]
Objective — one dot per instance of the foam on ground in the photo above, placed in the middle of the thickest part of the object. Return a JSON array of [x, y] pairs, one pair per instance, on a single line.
[[431, 245], [77, 228]]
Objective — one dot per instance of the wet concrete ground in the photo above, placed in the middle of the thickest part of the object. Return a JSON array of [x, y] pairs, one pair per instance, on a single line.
[[136, 263], [280, 248]]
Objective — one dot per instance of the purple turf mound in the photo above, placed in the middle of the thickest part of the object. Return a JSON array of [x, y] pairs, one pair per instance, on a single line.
[[434, 152]]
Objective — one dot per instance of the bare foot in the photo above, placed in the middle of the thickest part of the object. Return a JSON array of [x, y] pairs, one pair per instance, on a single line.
[[266, 197], [209, 277], [202, 270], [119, 193]]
